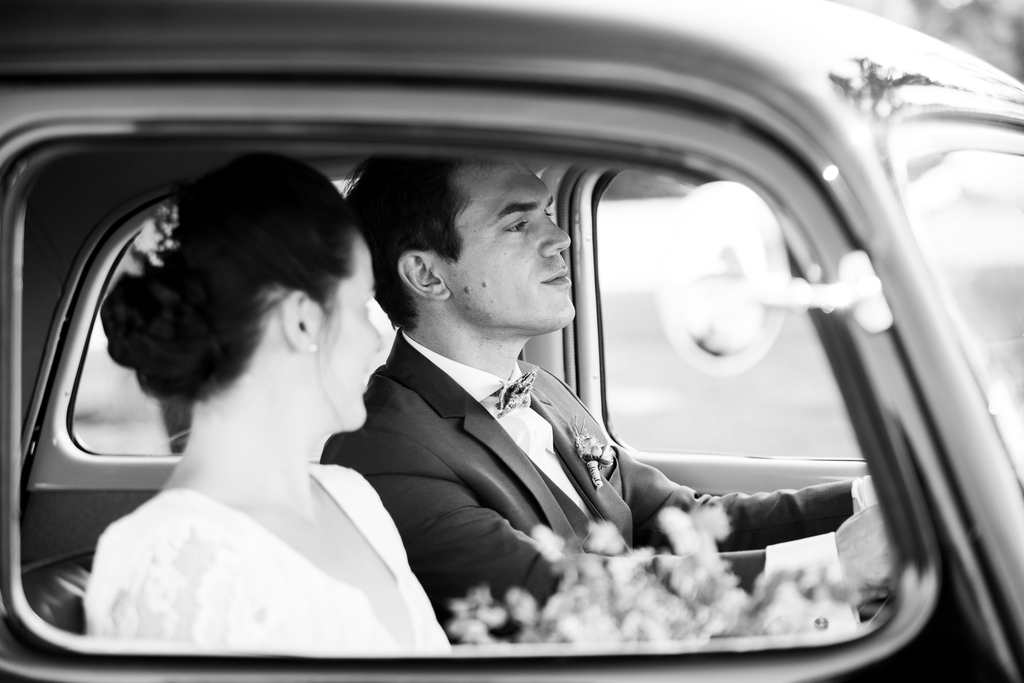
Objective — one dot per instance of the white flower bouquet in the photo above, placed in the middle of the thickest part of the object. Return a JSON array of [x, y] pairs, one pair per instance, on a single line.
[[611, 595]]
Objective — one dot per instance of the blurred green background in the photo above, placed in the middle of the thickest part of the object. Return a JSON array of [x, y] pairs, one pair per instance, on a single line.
[[990, 29]]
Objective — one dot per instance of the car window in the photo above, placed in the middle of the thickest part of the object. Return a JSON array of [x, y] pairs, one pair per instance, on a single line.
[[969, 211], [691, 362], [111, 415]]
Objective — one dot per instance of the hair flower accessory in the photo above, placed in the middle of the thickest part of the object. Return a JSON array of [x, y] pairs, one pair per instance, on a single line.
[[157, 238], [592, 452], [166, 219]]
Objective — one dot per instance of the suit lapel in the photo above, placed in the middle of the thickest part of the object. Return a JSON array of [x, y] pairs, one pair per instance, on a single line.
[[607, 501], [480, 424], [450, 400], [577, 517]]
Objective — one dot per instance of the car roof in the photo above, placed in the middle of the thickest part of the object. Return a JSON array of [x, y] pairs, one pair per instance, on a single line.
[[814, 74], [791, 41]]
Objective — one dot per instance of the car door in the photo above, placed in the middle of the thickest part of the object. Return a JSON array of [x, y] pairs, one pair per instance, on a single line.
[[85, 155]]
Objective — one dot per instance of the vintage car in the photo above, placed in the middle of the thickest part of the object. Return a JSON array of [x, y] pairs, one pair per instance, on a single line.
[[797, 257]]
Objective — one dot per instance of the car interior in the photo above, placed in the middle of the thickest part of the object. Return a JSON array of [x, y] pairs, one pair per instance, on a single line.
[[718, 392]]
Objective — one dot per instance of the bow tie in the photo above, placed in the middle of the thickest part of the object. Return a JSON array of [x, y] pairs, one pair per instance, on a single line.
[[515, 394]]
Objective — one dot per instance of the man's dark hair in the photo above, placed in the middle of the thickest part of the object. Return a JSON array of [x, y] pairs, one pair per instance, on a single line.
[[405, 204]]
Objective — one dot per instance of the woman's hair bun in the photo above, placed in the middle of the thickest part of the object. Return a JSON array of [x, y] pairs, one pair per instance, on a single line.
[[190, 320], [157, 324]]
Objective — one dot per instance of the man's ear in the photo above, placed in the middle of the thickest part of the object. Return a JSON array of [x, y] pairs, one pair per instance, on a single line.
[[302, 319], [419, 271]]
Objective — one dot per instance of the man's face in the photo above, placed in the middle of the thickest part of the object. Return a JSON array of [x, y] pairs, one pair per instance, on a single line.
[[510, 280]]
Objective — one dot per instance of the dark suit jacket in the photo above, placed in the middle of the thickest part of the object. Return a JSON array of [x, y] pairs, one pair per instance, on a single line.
[[465, 497]]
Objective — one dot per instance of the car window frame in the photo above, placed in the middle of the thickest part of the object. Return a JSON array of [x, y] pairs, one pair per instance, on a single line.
[[72, 466], [729, 155], [828, 329], [603, 134], [984, 467]]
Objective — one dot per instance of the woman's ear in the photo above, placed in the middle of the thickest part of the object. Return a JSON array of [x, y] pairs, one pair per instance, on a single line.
[[419, 271], [303, 320]]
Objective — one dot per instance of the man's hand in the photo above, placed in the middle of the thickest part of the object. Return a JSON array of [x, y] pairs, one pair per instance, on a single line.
[[865, 555]]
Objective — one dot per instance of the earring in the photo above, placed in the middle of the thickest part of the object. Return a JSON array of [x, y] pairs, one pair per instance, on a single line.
[[313, 348]]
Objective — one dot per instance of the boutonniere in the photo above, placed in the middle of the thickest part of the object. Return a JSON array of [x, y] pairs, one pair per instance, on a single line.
[[592, 452]]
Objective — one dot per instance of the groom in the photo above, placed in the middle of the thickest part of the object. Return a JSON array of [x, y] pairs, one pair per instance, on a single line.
[[469, 267]]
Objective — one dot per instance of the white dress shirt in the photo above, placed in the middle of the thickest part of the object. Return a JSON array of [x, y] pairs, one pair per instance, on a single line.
[[530, 431]]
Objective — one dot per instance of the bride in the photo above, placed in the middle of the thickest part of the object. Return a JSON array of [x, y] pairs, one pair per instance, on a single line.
[[253, 313]]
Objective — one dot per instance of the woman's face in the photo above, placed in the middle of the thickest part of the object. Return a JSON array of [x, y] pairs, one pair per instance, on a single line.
[[350, 343]]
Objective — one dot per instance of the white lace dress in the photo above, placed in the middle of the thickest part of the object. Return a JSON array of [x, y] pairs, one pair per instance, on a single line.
[[184, 569]]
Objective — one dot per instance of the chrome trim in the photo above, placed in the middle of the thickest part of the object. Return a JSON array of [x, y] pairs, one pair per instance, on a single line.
[[859, 291], [721, 473], [588, 352]]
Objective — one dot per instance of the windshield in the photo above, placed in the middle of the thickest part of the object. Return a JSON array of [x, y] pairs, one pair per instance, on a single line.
[[968, 208]]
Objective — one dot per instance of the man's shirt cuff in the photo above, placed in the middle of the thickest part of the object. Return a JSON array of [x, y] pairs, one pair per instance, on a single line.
[[863, 493], [810, 554]]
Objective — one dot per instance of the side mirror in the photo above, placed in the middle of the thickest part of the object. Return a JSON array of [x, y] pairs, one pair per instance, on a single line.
[[713, 259], [725, 245], [718, 325], [724, 324], [724, 307]]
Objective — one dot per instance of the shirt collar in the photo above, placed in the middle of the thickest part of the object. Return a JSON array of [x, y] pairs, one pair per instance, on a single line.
[[477, 383]]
